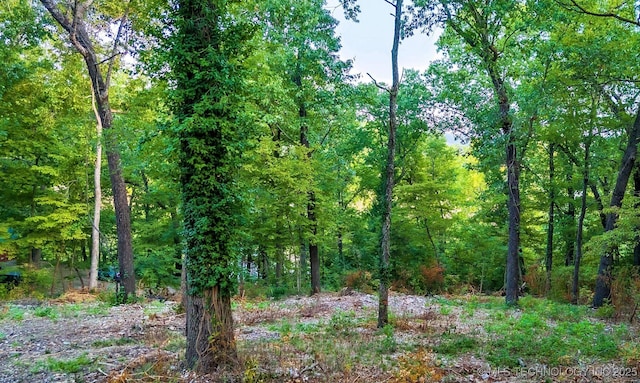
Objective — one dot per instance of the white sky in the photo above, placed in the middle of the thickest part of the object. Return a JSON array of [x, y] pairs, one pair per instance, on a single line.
[[368, 43]]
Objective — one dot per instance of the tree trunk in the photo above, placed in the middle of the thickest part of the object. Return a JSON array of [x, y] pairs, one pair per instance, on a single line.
[[36, 256], [512, 274], [575, 289], [636, 193], [97, 201], [279, 264], [551, 218], [314, 257], [209, 322], [603, 280], [513, 254], [570, 237], [79, 38], [385, 277]]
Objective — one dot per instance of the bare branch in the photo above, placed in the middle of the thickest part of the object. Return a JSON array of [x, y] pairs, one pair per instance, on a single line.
[[376, 83], [116, 41], [582, 9]]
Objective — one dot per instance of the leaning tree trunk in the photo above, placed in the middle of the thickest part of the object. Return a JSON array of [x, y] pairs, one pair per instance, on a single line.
[[79, 38], [603, 280], [389, 176]]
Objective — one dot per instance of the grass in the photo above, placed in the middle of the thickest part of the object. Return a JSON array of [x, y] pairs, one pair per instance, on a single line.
[[68, 366], [154, 308], [46, 312], [537, 331], [340, 344], [113, 342], [531, 337]]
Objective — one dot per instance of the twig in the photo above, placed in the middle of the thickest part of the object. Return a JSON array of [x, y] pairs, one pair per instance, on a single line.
[[308, 368], [633, 314], [376, 83]]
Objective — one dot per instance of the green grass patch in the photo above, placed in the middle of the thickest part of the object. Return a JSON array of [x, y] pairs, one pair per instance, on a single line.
[[15, 313], [113, 342], [69, 366], [530, 338], [456, 344], [45, 312]]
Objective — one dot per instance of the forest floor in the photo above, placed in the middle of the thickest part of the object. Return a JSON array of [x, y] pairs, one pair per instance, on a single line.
[[325, 338]]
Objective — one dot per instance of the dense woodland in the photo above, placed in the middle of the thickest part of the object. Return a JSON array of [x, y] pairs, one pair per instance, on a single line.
[[239, 148]]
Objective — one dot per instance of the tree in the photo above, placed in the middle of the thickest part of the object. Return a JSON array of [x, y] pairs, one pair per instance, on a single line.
[[73, 19], [389, 175], [97, 203], [489, 32], [205, 57]]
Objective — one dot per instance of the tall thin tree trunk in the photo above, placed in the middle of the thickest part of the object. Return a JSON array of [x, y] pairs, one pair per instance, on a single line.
[[79, 38], [551, 218], [97, 204], [314, 256], [575, 289], [636, 193], [570, 237], [385, 277], [603, 280], [513, 254]]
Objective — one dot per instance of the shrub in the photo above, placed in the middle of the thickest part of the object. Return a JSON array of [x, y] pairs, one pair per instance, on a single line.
[[536, 280], [432, 276], [359, 280], [625, 292]]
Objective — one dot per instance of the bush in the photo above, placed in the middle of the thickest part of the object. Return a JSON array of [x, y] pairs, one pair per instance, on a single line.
[[536, 280], [360, 280], [432, 277], [625, 292], [561, 278]]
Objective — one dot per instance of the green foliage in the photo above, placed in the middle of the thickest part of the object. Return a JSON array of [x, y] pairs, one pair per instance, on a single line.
[[12, 312], [388, 344], [205, 59], [157, 270], [343, 322], [113, 342], [529, 337], [46, 312], [70, 366], [456, 344]]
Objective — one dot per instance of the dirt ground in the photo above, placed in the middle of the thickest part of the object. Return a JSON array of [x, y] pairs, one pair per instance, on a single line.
[[40, 342]]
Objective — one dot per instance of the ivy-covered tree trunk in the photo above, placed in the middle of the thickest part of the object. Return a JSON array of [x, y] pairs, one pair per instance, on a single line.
[[79, 38], [389, 176], [205, 47], [603, 280]]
